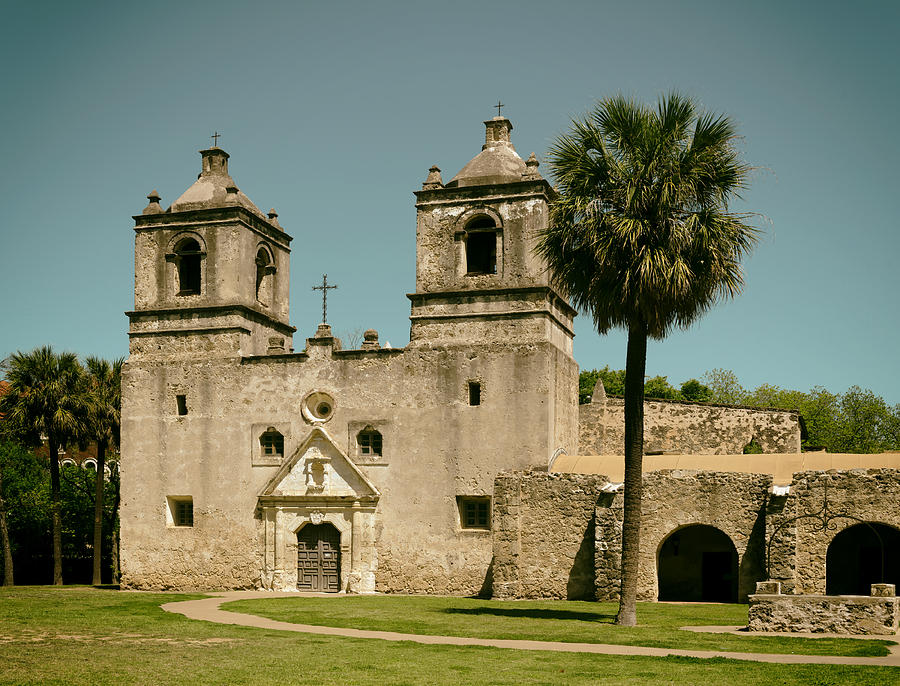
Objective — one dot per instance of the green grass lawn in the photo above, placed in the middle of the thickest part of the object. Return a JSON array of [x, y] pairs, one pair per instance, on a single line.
[[77, 635], [571, 621]]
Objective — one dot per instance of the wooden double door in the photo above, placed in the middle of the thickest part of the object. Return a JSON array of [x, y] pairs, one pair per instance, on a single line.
[[319, 558]]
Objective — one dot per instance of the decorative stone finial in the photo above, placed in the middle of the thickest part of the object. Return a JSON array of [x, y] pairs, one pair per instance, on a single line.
[[531, 173], [434, 179], [370, 340], [154, 206], [273, 218]]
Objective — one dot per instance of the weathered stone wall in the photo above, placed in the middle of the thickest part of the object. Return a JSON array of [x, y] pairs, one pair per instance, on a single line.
[[800, 548], [436, 448], [544, 535], [672, 426], [672, 500], [859, 615], [559, 535]]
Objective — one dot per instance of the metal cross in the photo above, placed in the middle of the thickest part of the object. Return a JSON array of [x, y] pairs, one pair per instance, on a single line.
[[498, 106], [215, 138], [324, 288]]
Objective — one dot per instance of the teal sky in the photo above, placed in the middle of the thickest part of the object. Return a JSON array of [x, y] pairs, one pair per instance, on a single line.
[[333, 112]]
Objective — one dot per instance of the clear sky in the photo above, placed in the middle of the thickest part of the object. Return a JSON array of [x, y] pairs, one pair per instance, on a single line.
[[333, 111]]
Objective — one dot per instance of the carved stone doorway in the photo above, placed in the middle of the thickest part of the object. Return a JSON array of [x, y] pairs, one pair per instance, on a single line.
[[319, 558]]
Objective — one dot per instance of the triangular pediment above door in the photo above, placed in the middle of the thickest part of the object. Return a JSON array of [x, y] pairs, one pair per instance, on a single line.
[[319, 469]]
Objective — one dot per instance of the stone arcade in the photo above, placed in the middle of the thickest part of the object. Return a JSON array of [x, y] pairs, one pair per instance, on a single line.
[[426, 469]]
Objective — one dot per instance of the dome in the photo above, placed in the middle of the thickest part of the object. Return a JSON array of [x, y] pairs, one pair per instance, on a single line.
[[214, 187], [498, 161]]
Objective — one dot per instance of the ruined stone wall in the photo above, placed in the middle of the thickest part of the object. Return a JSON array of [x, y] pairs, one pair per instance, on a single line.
[[731, 502], [544, 535], [680, 427], [799, 549]]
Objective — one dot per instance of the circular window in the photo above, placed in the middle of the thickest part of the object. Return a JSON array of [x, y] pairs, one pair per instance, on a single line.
[[318, 407]]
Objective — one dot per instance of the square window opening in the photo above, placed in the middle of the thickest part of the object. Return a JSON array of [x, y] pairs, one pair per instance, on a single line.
[[181, 402], [370, 442], [474, 512], [180, 511]]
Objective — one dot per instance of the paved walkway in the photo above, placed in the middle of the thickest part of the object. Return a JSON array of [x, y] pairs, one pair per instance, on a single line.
[[208, 610]]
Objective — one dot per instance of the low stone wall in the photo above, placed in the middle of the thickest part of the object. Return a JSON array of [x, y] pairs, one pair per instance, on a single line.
[[544, 535], [875, 615], [681, 427]]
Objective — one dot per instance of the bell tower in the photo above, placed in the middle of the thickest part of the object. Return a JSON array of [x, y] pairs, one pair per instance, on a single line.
[[478, 277], [211, 272]]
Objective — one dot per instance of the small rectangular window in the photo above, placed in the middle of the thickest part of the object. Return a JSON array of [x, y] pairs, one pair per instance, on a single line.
[[474, 393], [181, 401], [474, 512], [180, 510]]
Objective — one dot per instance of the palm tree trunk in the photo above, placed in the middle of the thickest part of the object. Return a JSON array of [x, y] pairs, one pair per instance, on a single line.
[[98, 511], [635, 365], [4, 539], [56, 519]]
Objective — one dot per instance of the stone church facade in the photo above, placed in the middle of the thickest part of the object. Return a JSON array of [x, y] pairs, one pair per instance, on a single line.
[[247, 463]]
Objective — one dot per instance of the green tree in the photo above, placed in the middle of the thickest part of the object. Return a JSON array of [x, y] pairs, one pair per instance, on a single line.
[[46, 399], [105, 397], [642, 238], [24, 495], [724, 387], [695, 391], [659, 387]]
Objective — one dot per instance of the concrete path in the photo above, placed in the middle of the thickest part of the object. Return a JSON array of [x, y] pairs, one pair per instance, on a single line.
[[208, 610]]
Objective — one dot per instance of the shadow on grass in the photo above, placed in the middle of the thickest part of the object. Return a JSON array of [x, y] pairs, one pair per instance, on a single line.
[[531, 613]]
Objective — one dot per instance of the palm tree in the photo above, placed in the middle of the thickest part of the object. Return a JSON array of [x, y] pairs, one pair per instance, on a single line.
[[641, 238], [46, 399], [104, 383]]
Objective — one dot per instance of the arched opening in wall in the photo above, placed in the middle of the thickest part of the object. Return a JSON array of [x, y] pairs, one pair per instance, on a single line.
[[369, 442], [319, 558], [271, 443], [481, 246], [187, 260], [698, 563], [853, 562], [265, 276]]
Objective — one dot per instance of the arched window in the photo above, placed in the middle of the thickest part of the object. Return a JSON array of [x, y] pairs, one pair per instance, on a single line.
[[369, 442], [90, 464], [265, 274], [481, 246], [187, 263], [271, 443]]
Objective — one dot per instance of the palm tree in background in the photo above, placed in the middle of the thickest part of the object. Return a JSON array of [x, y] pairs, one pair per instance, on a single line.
[[104, 420], [641, 237], [46, 399]]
